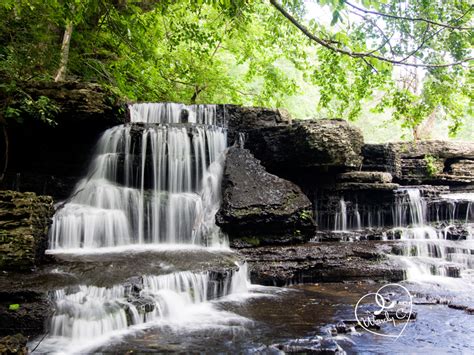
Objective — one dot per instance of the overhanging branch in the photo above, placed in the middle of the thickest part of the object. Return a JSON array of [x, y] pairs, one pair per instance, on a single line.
[[413, 19], [325, 43]]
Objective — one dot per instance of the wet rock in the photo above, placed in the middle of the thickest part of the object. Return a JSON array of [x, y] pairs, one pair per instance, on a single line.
[[316, 345], [469, 310], [261, 207], [13, 344], [318, 144], [24, 312], [24, 222], [321, 262], [457, 306], [365, 177]]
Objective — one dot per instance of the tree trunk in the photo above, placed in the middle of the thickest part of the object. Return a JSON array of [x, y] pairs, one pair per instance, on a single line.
[[61, 74], [425, 128]]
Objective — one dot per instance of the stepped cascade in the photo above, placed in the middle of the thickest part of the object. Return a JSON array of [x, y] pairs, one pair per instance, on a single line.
[[436, 231], [154, 180]]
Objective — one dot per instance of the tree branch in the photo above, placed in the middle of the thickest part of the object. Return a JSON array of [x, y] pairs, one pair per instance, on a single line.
[[370, 54], [414, 19]]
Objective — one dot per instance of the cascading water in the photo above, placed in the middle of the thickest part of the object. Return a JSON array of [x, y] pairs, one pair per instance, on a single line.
[[86, 315], [428, 250], [344, 220], [155, 180]]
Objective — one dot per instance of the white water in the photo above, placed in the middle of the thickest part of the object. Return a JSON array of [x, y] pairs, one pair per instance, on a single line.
[[428, 254], [345, 220], [149, 184], [152, 184], [89, 316], [340, 222]]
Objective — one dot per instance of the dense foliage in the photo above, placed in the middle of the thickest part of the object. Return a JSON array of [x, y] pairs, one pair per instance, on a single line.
[[248, 52]]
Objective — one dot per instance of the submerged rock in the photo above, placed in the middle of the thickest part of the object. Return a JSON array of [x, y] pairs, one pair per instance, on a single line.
[[24, 222], [259, 206], [315, 345]]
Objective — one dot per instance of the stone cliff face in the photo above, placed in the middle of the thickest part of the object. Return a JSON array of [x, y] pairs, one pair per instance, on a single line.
[[24, 223], [321, 144], [290, 169], [49, 160], [426, 162]]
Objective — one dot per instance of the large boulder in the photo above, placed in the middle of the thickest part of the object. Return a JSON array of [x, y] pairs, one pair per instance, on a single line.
[[259, 207], [24, 223], [319, 144]]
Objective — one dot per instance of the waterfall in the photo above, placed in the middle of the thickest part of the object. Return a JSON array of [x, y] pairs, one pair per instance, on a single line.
[[340, 222], [155, 180], [90, 314], [427, 250]]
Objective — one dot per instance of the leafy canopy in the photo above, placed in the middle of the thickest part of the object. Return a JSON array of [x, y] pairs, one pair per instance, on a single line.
[[253, 52]]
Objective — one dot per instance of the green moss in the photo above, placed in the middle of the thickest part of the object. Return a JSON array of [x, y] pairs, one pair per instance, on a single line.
[[306, 215], [254, 241], [431, 166]]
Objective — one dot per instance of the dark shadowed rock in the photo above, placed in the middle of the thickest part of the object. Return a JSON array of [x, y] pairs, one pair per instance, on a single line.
[[13, 344], [29, 315], [308, 144], [256, 204], [365, 176], [49, 160], [244, 119], [24, 223]]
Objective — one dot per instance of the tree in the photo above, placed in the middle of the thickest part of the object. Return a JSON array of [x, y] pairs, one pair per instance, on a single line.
[[248, 52], [436, 36]]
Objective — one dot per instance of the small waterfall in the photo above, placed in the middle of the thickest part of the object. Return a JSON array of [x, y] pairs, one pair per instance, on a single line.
[[155, 180], [427, 250], [89, 313], [340, 222], [347, 217]]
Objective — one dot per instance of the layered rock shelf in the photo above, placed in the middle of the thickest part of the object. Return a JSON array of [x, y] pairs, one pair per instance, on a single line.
[[24, 224]]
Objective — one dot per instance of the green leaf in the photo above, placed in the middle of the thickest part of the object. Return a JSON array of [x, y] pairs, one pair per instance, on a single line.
[[335, 17], [14, 307]]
